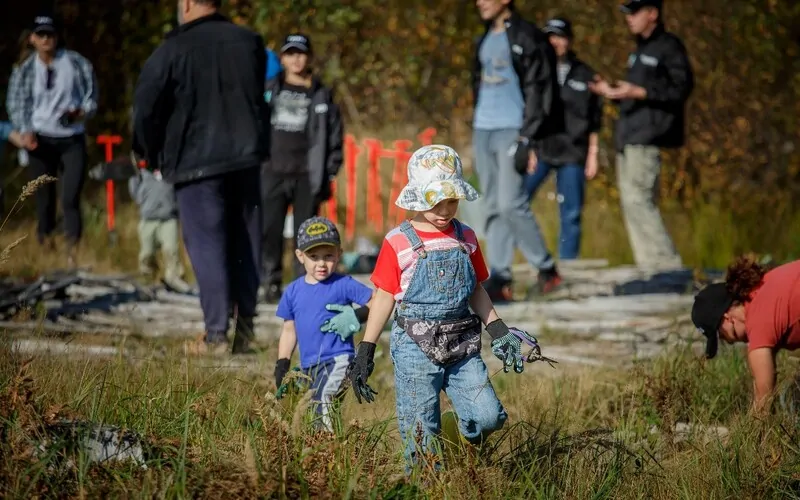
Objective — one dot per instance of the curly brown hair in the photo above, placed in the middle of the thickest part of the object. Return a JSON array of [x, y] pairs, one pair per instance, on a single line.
[[744, 276]]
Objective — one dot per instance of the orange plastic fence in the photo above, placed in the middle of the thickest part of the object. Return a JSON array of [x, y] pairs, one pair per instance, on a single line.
[[400, 152]]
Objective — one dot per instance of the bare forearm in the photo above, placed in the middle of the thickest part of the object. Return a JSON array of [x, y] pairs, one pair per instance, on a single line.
[[380, 310], [764, 371], [287, 343], [594, 144], [15, 138], [482, 305]]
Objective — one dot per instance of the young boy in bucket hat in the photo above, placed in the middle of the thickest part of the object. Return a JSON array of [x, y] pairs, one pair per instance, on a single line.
[[431, 267], [309, 308]]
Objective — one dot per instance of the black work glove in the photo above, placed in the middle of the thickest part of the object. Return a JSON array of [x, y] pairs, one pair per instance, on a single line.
[[360, 370], [281, 369]]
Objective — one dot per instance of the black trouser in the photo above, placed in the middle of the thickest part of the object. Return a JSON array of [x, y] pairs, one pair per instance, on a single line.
[[278, 193], [220, 221], [65, 156]]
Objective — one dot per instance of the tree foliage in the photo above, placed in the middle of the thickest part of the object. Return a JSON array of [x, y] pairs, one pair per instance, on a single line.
[[407, 63]]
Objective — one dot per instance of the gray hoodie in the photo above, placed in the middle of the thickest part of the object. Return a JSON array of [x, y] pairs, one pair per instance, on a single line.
[[156, 198]]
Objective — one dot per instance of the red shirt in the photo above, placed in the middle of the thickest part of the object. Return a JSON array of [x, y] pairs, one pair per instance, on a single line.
[[396, 260], [773, 313]]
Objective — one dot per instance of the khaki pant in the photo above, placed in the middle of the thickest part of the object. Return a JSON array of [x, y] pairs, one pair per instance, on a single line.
[[154, 234], [638, 171]]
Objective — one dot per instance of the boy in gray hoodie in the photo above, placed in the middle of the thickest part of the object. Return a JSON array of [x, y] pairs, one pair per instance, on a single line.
[[158, 226]]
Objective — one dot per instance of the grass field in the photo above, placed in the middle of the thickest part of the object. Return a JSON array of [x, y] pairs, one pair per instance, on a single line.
[[214, 431]]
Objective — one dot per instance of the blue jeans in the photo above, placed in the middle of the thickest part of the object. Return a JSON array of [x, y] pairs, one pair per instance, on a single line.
[[418, 382], [570, 182]]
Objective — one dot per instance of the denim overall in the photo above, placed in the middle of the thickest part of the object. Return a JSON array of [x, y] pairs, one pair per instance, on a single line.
[[440, 289]]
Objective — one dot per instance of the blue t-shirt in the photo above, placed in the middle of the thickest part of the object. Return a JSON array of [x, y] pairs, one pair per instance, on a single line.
[[273, 65], [500, 102], [304, 304]]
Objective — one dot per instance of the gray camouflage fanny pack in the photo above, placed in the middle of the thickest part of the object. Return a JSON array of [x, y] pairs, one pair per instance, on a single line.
[[444, 342]]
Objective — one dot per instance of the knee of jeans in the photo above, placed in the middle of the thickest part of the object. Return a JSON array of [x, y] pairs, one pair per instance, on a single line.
[[490, 420]]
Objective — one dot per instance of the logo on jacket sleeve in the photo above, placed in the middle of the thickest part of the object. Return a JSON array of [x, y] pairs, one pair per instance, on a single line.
[[648, 60], [321, 108], [577, 86]]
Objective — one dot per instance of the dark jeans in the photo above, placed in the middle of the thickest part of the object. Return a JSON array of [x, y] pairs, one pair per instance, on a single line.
[[278, 194], [221, 223], [570, 181], [64, 158]]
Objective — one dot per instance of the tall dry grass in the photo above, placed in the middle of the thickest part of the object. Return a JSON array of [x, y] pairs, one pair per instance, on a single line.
[[221, 434]]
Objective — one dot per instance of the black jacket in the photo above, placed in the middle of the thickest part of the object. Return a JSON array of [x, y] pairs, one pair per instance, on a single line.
[[660, 65], [199, 109], [535, 64], [325, 134], [583, 115]]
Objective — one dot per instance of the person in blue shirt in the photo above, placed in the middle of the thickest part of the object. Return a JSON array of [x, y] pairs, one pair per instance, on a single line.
[[318, 315], [273, 65]]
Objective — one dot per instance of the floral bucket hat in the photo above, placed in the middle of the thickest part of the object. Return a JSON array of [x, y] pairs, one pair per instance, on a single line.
[[434, 174]]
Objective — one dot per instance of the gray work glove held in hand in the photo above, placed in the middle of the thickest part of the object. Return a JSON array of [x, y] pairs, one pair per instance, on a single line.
[[507, 344], [360, 370], [344, 324]]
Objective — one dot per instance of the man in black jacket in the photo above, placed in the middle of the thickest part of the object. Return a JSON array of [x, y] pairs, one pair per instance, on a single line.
[[305, 154], [652, 103], [572, 153], [199, 116], [516, 96]]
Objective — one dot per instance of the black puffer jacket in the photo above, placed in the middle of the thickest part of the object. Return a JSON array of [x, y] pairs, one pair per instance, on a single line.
[[535, 64]]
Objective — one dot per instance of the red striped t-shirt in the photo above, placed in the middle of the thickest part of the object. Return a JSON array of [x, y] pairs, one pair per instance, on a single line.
[[397, 260]]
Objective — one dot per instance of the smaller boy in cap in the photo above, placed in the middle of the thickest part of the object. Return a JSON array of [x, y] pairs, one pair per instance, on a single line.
[[309, 308]]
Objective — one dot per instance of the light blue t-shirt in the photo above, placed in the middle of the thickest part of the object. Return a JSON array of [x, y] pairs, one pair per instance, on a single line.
[[304, 304], [500, 102]]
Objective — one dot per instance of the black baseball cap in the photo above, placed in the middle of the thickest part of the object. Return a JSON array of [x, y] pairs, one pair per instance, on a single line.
[[43, 24], [633, 6], [297, 41], [710, 305], [559, 26], [315, 232]]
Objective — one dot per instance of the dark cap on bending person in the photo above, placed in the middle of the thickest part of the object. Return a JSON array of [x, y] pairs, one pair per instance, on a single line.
[[710, 305]]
